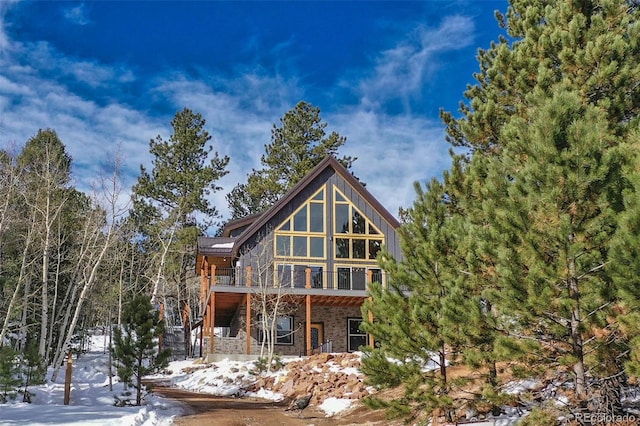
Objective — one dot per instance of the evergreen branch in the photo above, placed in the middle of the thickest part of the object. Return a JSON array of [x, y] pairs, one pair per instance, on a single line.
[[599, 308], [592, 270]]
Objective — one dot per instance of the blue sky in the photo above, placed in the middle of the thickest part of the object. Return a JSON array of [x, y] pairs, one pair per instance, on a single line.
[[109, 76]]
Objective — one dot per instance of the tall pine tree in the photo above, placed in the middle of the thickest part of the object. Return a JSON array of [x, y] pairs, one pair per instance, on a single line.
[[553, 104], [534, 201], [172, 205], [297, 145]]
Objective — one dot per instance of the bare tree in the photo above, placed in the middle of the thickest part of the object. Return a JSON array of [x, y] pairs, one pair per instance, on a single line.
[[46, 167], [271, 297], [100, 228]]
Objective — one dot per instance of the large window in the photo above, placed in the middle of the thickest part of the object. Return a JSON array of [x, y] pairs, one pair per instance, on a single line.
[[295, 276], [355, 236], [355, 337], [283, 330], [303, 233]]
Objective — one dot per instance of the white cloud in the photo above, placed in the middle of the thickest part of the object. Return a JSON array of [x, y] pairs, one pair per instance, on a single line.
[[393, 153], [403, 70], [77, 15], [393, 150]]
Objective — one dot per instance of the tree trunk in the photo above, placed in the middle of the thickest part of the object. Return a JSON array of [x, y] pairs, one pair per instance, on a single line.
[[443, 363], [576, 333], [54, 303], [21, 278], [93, 263], [44, 320], [139, 381]]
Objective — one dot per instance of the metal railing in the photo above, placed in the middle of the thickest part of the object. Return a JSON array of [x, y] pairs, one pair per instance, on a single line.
[[326, 347], [344, 278]]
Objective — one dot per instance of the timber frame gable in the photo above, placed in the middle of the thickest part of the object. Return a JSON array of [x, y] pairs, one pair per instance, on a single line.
[[318, 244]]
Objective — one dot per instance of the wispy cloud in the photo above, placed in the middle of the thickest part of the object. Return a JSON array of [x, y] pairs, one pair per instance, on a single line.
[[401, 71], [89, 105], [77, 15]]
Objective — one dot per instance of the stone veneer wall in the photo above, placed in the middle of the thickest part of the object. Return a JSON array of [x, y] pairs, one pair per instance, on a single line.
[[333, 318], [234, 345]]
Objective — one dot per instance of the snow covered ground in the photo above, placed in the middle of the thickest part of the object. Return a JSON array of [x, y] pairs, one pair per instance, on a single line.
[[92, 403]]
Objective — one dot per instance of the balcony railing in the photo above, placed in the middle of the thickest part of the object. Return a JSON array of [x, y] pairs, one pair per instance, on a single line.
[[298, 276]]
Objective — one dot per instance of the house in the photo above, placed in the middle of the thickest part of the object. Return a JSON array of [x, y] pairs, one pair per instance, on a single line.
[[316, 248]]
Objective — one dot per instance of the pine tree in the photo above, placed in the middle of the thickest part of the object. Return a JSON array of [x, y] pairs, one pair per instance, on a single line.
[[135, 345], [171, 204], [9, 373], [33, 369], [533, 206], [428, 313], [556, 198], [297, 145], [544, 125]]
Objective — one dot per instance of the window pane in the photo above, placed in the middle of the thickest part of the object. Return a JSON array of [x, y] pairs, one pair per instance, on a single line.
[[344, 278], [284, 276], [284, 323], [284, 338], [358, 223], [374, 248], [317, 217], [372, 230], [317, 277], [283, 245], [286, 226], [300, 246], [376, 275], [342, 248], [354, 326], [342, 219], [284, 335], [299, 276], [339, 197], [319, 196], [300, 220], [356, 341], [359, 278], [317, 247], [358, 249]]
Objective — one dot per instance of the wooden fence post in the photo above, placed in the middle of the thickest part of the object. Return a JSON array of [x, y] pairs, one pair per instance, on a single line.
[[67, 379]]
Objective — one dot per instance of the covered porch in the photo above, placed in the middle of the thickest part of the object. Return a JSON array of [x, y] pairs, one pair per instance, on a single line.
[[321, 321]]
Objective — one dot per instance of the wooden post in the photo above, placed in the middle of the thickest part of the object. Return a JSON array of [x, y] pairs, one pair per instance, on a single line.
[[212, 318], [67, 379], [371, 339], [248, 317], [308, 324], [204, 289], [211, 309], [203, 281]]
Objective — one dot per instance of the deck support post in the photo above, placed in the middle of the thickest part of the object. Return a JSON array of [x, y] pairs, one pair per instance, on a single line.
[[371, 339], [212, 310], [204, 311], [248, 317], [308, 313]]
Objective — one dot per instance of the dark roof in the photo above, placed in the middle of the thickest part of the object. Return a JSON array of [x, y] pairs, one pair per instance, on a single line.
[[216, 246], [227, 246], [239, 223], [329, 161]]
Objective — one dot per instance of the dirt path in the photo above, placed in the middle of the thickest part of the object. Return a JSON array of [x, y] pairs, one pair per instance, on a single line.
[[208, 410]]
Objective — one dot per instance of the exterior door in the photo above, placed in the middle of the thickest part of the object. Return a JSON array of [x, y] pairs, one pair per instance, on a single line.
[[317, 336]]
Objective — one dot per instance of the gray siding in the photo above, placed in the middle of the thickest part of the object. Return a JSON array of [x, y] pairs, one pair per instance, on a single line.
[[252, 250]]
